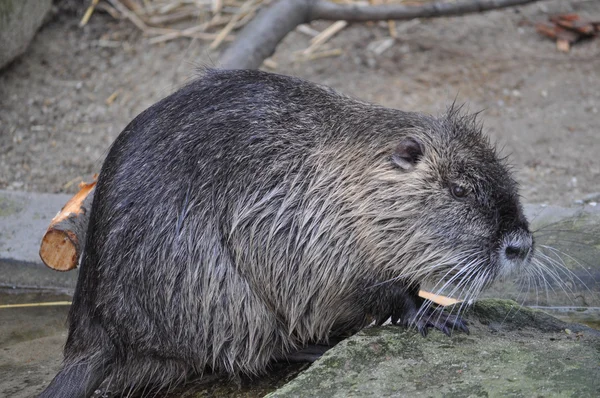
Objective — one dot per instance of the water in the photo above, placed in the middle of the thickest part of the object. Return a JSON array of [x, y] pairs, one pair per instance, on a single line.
[[589, 316]]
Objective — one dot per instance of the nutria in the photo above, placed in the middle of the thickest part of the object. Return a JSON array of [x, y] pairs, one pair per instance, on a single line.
[[249, 214]]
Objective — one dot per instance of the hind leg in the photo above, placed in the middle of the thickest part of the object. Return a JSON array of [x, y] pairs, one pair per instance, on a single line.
[[85, 359]]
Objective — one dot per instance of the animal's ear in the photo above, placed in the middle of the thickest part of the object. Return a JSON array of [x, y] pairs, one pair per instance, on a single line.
[[407, 154]]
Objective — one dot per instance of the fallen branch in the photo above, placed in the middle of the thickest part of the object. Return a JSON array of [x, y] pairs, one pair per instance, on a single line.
[[258, 40], [261, 36], [354, 13]]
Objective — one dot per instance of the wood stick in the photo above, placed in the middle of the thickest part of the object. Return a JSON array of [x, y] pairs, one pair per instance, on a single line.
[[88, 13], [246, 8], [63, 241], [324, 36], [438, 299], [49, 304]]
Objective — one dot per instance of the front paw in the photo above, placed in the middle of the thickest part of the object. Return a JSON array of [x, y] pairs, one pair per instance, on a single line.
[[438, 319], [402, 304]]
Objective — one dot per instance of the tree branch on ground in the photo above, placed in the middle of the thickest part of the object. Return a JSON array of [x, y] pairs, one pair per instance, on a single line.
[[259, 39]]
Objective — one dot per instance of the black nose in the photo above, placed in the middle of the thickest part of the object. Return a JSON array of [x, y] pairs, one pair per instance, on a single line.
[[517, 252]]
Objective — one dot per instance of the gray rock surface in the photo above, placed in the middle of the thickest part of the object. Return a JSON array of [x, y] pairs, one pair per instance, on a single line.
[[511, 351], [24, 218], [19, 20]]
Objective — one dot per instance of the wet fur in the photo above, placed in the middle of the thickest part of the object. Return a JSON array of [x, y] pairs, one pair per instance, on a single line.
[[250, 214]]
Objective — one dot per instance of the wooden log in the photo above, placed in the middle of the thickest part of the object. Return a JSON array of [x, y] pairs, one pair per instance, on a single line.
[[63, 242]]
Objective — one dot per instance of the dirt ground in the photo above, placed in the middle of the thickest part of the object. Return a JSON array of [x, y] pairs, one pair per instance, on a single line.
[[540, 105]]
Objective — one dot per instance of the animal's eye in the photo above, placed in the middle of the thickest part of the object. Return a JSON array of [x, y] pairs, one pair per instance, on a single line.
[[459, 191]]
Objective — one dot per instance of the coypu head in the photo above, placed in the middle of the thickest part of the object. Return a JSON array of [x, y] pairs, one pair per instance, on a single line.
[[452, 206]]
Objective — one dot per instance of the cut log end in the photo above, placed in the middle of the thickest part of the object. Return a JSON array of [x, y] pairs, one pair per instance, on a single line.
[[62, 243], [59, 250]]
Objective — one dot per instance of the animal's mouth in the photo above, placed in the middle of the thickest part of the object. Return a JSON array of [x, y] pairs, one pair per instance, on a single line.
[[478, 268], [465, 273], [465, 277]]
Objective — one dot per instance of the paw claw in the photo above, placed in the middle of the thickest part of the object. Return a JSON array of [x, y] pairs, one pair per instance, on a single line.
[[462, 326], [446, 323], [381, 320], [445, 330]]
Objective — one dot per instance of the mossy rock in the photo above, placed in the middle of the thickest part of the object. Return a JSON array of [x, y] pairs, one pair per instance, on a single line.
[[511, 351]]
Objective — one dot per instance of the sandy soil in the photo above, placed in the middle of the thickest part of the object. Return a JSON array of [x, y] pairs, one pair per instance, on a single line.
[[541, 106]]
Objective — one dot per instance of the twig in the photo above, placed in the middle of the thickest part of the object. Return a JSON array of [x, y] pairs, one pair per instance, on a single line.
[[247, 7], [113, 97], [88, 13], [192, 32], [307, 30], [325, 35], [180, 15], [322, 54], [50, 304], [129, 15], [110, 9]]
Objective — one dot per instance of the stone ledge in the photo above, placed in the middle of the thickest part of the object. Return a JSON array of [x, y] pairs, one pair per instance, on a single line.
[[511, 351]]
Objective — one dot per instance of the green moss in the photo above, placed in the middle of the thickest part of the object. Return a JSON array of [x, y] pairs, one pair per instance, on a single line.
[[522, 358], [6, 8]]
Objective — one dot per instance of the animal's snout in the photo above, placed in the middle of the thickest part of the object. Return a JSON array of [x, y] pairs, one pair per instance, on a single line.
[[518, 251], [517, 246]]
